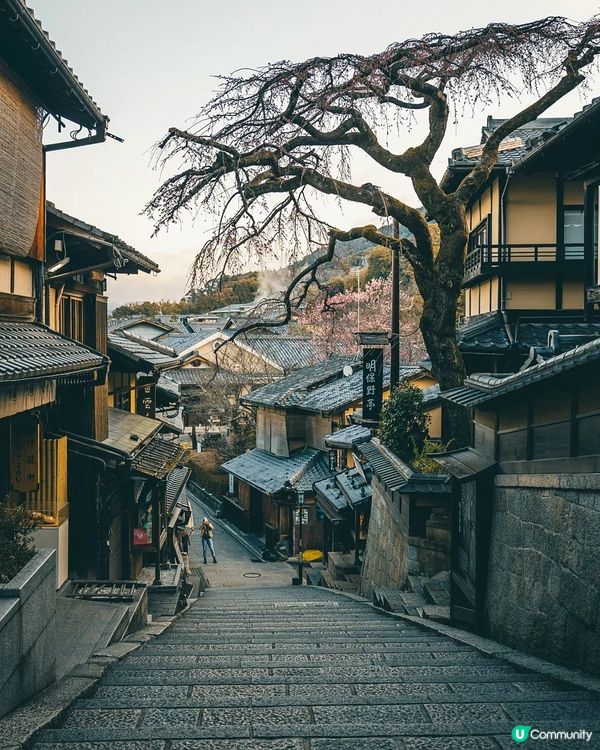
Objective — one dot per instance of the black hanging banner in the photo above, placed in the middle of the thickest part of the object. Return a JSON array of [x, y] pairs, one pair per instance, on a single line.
[[372, 383]]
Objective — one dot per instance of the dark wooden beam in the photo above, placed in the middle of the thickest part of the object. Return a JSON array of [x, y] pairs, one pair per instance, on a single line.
[[589, 201], [560, 241]]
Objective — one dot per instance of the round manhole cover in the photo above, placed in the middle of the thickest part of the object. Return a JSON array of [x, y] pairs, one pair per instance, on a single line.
[[252, 575]]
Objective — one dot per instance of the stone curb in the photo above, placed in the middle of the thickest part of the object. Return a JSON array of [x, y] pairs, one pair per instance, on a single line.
[[19, 728], [492, 648]]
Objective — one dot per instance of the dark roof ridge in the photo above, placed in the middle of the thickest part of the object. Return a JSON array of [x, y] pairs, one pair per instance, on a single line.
[[154, 345]]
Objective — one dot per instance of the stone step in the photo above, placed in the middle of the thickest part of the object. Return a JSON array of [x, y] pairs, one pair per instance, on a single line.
[[313, 675], [437, 593], [300, 661], [415, 583], [345, 649], [396, 694]]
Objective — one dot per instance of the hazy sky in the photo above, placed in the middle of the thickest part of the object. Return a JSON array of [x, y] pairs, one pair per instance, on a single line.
[[149, 65]]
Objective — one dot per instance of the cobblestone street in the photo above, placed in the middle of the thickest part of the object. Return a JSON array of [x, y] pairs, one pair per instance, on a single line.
[[305, 669]]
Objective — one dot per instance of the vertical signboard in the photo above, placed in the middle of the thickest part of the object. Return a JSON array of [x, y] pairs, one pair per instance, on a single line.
[[25, 453], [146, 397], [372, 383]]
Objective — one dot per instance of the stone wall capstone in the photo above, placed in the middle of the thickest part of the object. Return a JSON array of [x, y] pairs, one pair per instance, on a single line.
[[28, 631], [543, 591]]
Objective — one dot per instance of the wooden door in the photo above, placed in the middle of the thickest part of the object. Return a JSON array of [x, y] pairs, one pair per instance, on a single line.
[[471, 516]]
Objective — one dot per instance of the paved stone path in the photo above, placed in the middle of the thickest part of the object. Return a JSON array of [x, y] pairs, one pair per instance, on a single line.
[[305, 669]]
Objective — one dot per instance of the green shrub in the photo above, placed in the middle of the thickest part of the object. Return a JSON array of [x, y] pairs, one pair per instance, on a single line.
[[424, 463], [16, 542], [403, 423]]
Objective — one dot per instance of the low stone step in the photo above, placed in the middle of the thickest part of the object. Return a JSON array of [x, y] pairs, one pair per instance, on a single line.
[[437, 593], [438, 613], [415, 584]]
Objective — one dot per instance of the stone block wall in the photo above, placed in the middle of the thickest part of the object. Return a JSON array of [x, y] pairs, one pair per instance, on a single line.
[[28, 631], [544, 567], [386, 554]]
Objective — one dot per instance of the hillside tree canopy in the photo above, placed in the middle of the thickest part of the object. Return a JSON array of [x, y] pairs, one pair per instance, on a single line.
[[272, 139]]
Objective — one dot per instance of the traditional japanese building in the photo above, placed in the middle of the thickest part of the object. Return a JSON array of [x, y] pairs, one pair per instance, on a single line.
[[532, 264], [527, 508], [46, 376], [297, 421], [122, 464]]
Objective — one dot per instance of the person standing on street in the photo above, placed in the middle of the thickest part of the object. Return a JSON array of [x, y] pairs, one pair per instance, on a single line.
[[206, 532]]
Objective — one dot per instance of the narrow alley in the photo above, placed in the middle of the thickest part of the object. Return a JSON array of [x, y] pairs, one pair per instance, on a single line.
[[236, 566], [257, 664]]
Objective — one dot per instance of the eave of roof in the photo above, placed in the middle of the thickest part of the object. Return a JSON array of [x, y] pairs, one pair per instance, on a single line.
[[397, 476], [482, 387], [29, 51], [94, 234], [31, 351]]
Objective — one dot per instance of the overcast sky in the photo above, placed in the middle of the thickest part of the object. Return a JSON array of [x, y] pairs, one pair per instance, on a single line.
[[149, 64]]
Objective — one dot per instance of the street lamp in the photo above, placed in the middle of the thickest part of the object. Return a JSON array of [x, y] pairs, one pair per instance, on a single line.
[[295, 500]]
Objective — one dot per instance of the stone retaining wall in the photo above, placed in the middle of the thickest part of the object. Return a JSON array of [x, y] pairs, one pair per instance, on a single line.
[[544, 566], [28, 631], [386, 553]]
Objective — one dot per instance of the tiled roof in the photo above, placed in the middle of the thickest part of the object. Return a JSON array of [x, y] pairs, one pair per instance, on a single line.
[[521, 146], [158, 458], [129, 254], [141, 351], [268, 473], [204, 377], [322, 388], [481, 387], [487, 333], [174, 490], [490, 334], [354, 487], [127, 431], [330, 499], [288, 352], [398, 476], [348, 437], [514, 146], [30, 350], [122, 324], [29, 51], [528, 333], [463, 462], [181, 342], [283, 391], [179, 323]]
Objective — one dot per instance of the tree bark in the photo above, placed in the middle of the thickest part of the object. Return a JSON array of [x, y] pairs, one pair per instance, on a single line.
[[438, 324]]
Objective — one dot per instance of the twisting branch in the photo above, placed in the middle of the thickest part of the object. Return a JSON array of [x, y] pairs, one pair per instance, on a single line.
[[273, 139]]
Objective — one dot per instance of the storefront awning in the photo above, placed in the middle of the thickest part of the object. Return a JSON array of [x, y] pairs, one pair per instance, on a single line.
[[158, 458], [175, 489]]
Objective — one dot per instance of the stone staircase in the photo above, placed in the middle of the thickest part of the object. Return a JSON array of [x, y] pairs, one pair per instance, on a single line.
[[422, 597], [341, 573], [308, 669]]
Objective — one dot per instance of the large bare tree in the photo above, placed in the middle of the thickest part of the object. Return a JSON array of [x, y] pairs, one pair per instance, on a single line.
[[272, 139]]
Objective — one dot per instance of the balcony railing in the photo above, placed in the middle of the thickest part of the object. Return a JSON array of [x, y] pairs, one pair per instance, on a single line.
[[484, 258]]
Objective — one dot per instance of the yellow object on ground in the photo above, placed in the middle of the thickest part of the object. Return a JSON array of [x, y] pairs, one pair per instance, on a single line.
[[312, 555]]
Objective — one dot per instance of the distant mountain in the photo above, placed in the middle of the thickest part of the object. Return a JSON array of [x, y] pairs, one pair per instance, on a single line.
[[352, 253]]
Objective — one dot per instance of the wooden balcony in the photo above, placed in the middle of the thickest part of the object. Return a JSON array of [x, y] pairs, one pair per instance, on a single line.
[[485, 259]]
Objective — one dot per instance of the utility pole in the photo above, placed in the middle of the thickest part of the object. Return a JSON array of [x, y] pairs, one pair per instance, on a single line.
[[395, 317]]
